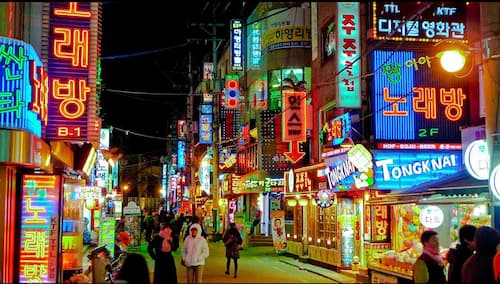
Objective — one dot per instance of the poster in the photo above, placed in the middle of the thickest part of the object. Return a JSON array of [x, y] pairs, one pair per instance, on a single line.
[[278, 231], [107, 234], [132, 214]]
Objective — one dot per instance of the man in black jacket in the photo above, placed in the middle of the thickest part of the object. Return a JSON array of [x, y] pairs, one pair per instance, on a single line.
[[457, 256]]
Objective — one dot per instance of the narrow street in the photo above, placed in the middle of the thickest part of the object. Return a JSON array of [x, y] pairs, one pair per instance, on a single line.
[[256, 265]]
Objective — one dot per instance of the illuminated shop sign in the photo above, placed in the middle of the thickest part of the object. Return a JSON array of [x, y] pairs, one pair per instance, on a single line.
[[413, 103], [181, 154], [73, 47], [258, 94], [38, 257], [336, 130], [23, 87], [263, 185], [255, 41], [205, 128], [288, 29], [294, 124], [477, 159], [298, 181], [351, 170], [349, 51], [402, 169], [236, 45], [380, 225], [227, 159], [441, 21]]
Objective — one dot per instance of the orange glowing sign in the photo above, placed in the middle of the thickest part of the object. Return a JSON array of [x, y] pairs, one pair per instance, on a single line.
[[39, 229], [425, 101], [73, 52], [294, 116]]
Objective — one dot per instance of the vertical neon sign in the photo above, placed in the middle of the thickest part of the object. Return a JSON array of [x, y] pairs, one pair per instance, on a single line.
[[349, 45], [39, 229], [73, 69]]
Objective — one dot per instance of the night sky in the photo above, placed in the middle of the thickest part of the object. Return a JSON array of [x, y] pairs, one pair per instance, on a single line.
[[130, 28]]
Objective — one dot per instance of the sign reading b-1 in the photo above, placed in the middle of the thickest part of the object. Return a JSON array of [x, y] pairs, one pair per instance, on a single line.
[[294, 123]]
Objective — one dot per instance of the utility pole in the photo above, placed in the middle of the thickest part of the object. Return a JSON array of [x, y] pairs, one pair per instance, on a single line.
[[214, 190], [490, 46]]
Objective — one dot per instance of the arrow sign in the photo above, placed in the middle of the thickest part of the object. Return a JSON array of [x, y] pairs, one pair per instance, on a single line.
[[295, 155]]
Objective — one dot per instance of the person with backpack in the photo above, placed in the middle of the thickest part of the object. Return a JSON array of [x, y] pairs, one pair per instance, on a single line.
[[160, 249], [232, 240]]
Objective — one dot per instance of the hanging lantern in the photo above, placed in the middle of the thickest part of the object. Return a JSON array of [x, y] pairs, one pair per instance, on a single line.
[[291, 202], [303, 202]]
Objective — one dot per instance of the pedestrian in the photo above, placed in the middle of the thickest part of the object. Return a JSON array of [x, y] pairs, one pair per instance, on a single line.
[[457, 256], [195, 220], [479, 267], [194, 253], [496, 266], [160, 249], [232, 240], [256, 221], [148, 226], [134, 270], [429, 266], [121, 245]]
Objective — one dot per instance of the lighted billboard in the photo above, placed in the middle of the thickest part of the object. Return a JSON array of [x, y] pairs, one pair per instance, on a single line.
[[236, 45], [73, 49], [412, 101], [39, 234], [436, 21], [23, 87], [404, 169], [348, 54]]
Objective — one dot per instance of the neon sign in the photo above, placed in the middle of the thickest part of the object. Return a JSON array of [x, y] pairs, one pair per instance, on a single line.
[[402, 169], [349, 45], [23, 87], [336, 129], [73, 45], [416, 105], [439, 22], [294, 123], [236, 44], [38, 260]]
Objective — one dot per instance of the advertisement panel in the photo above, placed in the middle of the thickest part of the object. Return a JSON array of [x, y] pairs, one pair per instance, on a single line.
[[40, 225]]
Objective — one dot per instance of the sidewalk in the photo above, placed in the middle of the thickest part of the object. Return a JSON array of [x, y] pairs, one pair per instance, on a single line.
[[327, 273]]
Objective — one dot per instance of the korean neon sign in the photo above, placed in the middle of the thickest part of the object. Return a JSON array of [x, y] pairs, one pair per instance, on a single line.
[[336, 129], [73, 41], [23, 87], [380, 225], [443, 21], [414, 104], [236, 45], [349, 45], [38, 260]]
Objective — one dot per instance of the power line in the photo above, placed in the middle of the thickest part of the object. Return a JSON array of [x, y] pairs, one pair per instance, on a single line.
[[147, 93], [127, 132], [143, 52]]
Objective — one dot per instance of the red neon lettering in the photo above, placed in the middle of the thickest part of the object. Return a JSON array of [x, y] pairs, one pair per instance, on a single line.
[[67, 93], [77, 40], [394, 101], [425, 101], [454, 101], [72, 11], [348, 23], [39, 102]]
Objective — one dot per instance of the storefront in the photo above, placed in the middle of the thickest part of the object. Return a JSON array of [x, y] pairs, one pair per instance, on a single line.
[[443, 206]]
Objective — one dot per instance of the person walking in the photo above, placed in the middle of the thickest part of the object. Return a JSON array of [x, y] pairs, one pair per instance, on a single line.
[[160, 249], [232, 240], [194, 253], [429, 266], [479, 267], [134, 270], [457, 256]]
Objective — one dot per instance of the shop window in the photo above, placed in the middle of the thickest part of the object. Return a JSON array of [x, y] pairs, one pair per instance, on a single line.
[[327, 227]]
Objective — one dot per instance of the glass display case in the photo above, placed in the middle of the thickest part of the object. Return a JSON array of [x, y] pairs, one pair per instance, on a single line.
[[72, 235]]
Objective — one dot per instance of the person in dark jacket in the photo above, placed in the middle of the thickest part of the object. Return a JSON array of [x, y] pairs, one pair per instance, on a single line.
[[429, 266], [232, 240], [457, 256], [134, 270], [479, 267], [160, 249]]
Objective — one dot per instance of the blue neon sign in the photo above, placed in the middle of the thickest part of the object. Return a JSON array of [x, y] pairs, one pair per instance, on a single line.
[[23, 87], [400, 169]]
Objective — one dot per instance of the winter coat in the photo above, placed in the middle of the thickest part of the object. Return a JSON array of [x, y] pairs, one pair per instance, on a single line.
[[165, 271], [456, 258], [232, 240], [195, 250], [426, 270], [479, 267]]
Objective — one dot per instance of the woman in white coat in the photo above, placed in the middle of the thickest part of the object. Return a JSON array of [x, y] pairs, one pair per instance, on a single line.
[[194, 253]]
